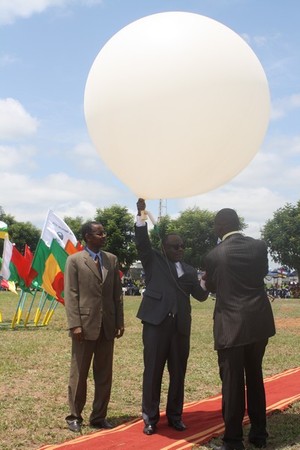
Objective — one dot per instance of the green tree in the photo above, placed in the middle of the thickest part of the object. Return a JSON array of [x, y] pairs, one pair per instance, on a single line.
[[196, 228], [119, 225], [21, 233], [75, 223], [2, 213], [7, 218], [282, 235], [166, 225]]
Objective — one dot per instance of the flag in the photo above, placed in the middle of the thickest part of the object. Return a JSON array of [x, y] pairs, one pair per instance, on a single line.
[[31, 273], [28, 255], [6, 258], [4, 284], [41, 255], [21, 264], [15, 266], [49, 259], [3, 230], [70, 248], [12, 287], [56, 228], [53, 276]]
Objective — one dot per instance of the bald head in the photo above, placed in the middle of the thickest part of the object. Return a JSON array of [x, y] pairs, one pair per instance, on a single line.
[[226, 220]]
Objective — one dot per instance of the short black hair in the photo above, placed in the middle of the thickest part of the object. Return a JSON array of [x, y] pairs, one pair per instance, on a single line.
[[228, 219]]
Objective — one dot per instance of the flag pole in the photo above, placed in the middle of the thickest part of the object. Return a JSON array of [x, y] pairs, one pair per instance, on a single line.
[[45, 223], [44, 322], [52, 312], [40, 307], [30, 308], [21, 307], [15, 316]]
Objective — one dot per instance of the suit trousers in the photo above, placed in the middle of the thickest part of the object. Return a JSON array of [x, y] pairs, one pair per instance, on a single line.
[[101, 350], [163, 343], [237, 365]]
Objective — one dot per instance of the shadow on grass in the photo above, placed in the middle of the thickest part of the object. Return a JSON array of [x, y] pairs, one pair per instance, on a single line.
[[120, 420], [115, 421], [284, 430], [6, 326]]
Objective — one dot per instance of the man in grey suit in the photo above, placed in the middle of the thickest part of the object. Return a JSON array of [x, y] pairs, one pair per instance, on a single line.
[[165, 312], [243, 322], [94, 309]]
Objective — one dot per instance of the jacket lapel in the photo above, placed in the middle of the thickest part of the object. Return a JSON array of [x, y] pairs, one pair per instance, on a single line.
[[91, 264], [105, 265]]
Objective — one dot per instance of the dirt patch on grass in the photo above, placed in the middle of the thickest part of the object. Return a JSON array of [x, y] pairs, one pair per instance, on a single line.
[[292, 323]]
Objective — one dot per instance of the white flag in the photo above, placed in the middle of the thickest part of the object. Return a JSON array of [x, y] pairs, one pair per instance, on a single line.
[[3, 230], [6, 258], [56, 228], [3, 226]]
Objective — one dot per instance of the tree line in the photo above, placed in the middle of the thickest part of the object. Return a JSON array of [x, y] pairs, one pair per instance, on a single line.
[[281, 233]]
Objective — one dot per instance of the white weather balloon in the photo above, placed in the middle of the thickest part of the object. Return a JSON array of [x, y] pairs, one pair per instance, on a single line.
[[176, 104]]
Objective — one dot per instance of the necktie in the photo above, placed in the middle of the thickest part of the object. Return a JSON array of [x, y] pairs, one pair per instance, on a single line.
[[98, 264]]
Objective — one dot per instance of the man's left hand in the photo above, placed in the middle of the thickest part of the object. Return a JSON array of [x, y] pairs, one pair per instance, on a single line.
[[119, 332]]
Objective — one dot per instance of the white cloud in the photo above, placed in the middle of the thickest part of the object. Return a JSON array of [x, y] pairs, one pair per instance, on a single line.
[[29, 199], [85, 156], [293, 174], [265, 166], [10, 10], [7, 59], [284, 145], [16, 158], [281, 107], [265, 185], [15, 121], [261, 40], [256, 205]]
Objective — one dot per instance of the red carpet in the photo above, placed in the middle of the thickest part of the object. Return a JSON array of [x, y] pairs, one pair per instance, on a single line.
[[203, 419]]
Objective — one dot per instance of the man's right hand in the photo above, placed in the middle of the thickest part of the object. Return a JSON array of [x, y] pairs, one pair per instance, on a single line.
[[77, 333], [141, 205]]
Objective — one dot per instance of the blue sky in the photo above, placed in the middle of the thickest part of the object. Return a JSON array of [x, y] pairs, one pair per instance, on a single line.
[[48, 161]]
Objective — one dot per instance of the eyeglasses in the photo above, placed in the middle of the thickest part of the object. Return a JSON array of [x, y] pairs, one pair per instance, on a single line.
[[177, 246], [100, 233]]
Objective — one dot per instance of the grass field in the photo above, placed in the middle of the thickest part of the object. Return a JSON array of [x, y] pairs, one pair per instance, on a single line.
[[34, 374]]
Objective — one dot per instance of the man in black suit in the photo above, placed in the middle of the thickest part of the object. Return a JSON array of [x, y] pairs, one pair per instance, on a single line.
[[243, 322], [165, 312]]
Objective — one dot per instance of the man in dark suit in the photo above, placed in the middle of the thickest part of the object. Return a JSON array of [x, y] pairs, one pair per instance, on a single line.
[[243, 322], [94, 309], [165, 312]]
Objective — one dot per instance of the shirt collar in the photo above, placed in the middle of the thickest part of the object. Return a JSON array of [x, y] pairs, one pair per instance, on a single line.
[[229, 234], [93, 254]]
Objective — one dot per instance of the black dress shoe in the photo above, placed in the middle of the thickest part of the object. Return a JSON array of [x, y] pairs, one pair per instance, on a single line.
[[149, 429], [74, 425], [258, 443], [177, 424], [103, 423]]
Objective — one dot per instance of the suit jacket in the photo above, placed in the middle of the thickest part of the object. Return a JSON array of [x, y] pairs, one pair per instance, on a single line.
[[163, 287], [92, 301], [235, 271]]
